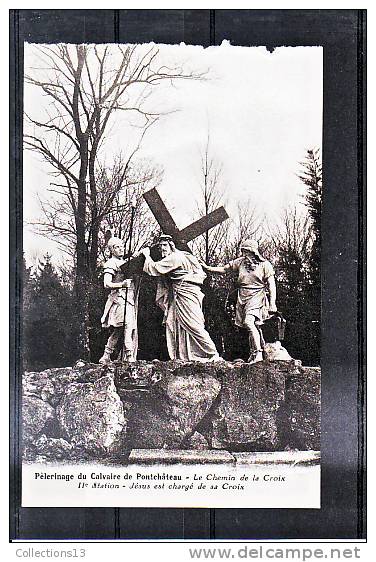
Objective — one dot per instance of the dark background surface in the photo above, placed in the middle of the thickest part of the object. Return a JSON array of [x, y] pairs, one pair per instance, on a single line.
[[341, 33]]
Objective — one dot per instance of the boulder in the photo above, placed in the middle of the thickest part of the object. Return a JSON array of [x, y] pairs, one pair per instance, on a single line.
[[245, 418], [167, 415], [91, 416], [299, 416], [142, 374], [40, 386], [52, 448], [196, 442], [37, 417], [50, 385]]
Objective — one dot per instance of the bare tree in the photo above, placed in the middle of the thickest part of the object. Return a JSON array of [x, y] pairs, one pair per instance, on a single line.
[[290, 247], [211, 197], [116, 194], [245, 224], [85, 86], [222, 243]]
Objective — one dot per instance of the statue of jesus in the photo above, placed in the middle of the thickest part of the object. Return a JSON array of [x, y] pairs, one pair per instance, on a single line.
[[180, 277]]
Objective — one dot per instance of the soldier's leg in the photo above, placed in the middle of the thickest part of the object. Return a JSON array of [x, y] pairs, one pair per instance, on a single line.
[[110, 346], [128, 343], [128, 353], [254, 336]]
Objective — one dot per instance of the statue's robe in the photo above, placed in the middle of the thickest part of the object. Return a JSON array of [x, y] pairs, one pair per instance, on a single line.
[[252, 292], [180, 297]]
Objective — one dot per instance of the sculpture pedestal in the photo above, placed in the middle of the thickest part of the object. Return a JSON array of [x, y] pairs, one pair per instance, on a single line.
[[94, 411]]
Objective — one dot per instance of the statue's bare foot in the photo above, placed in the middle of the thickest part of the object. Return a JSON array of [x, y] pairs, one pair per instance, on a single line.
[[216, 358], [255, 357], [104, 360]]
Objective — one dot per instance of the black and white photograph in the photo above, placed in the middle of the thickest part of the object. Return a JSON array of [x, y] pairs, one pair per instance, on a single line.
[[171, 265]]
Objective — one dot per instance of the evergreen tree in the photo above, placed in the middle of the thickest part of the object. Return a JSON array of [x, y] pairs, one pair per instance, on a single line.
[[311, 176], [50, 323], [291, 246]]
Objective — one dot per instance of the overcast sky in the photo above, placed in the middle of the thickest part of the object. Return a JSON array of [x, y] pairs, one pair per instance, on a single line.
[[263, 111]]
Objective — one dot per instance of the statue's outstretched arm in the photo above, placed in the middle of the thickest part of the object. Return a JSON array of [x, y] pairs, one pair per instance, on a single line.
[[212, 269]]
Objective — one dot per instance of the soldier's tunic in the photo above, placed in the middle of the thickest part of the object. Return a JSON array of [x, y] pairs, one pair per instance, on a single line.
[[252, 294], [179, 295], [113, 314]]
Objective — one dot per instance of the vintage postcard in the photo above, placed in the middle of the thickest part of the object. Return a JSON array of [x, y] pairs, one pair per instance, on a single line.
[[171, 294]]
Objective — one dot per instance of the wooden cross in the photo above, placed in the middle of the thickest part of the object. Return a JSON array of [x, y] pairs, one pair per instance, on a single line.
[[189, 233], [168, 226]]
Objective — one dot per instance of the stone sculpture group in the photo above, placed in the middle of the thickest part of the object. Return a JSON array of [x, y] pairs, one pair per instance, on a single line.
[[180, 277]]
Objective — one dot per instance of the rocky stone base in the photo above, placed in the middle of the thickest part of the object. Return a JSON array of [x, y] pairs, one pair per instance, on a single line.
[[104, 412]]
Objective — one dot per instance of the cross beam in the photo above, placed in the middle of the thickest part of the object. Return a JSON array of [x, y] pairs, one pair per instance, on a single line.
[[204, 224], [161, 213], [168, 225]]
